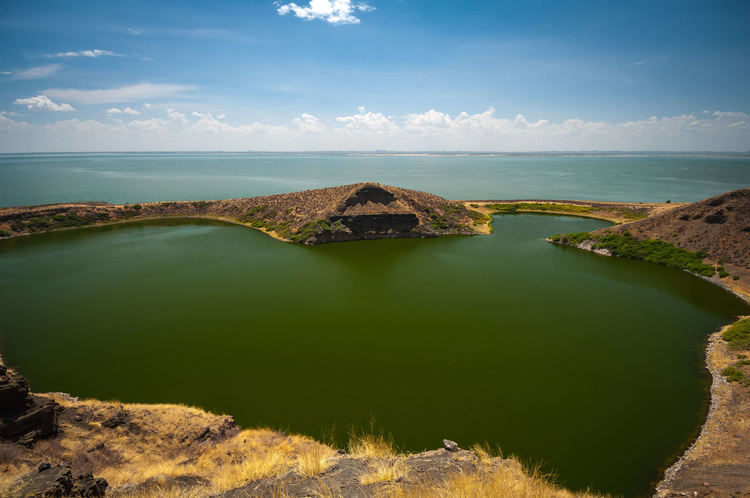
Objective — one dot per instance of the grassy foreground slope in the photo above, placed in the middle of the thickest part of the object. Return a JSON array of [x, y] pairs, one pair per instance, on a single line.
[[170, 450]]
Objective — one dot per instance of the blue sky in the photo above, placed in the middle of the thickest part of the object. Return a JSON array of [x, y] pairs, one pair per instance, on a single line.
[[529, 75]]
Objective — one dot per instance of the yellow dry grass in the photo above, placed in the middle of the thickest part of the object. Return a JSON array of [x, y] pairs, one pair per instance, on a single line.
[[369, 445], [314, 460], [162, 446], [143, 457], [386, 471]]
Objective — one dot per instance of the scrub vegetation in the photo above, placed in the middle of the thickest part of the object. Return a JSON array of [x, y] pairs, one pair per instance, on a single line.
[[652, 251], [738, 338]]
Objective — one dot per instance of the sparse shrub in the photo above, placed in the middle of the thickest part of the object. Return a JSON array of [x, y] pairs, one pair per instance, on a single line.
[[309, 229], [738, 335], [438, 222], [4, 233], [137, 207], [723, 274], [721, 261], [732, 374], [478, 218], [474, 205], [735, 277], [166, 204]]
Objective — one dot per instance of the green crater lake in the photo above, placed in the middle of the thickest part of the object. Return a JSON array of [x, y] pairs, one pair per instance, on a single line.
[[587, 364]]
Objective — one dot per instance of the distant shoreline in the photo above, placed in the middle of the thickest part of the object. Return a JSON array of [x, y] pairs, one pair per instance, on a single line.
[[377, 153]]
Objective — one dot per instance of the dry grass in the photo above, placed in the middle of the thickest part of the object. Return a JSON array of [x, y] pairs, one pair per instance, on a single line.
[[369, 445], [386, 471], [154, 447], [498, 481], [158, 442], [314, 460]]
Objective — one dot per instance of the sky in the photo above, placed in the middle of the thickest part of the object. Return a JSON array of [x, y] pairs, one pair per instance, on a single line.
[[397, 75]]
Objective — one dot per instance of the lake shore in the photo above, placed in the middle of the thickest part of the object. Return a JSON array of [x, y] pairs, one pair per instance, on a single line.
[[716, 462]]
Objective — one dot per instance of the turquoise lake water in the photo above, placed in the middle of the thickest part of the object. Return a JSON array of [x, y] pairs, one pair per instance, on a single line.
[[129, 178], [591, 365]]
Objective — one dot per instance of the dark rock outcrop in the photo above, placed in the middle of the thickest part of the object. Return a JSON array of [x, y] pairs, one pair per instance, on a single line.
[[24, 417], [58, 482], [51, 482]]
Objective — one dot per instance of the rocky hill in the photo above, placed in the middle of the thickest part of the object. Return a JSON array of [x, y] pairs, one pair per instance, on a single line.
[[720, 226], [350, 212]]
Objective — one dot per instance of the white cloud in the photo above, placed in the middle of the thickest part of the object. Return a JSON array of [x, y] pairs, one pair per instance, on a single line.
[[431, 130], [333, 11], [308, 124], [176, 116], [12, 113], [147, 105], [112, 111], [43, 103], [368, 123], [128, 110], [134, 31], [111, 95], [7, 124], [87, 53], [35, 73]]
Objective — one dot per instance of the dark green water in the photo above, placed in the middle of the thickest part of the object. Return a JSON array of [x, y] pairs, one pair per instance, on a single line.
[[589, 364]]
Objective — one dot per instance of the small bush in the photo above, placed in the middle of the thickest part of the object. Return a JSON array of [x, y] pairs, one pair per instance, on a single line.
[[732, 374], [137, 207], [723, 274], [474, 205], [4, 233], [721, 261], [438, 222], [735, 277], [738, 335]]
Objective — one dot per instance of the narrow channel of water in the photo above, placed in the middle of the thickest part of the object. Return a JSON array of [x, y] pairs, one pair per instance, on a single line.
[[589, 364]]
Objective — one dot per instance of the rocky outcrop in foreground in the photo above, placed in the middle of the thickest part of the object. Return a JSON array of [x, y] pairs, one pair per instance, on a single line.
[[24, 418], [336, 214]]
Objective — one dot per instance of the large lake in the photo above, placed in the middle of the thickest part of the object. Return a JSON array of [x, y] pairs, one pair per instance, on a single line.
[[589, 364]]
